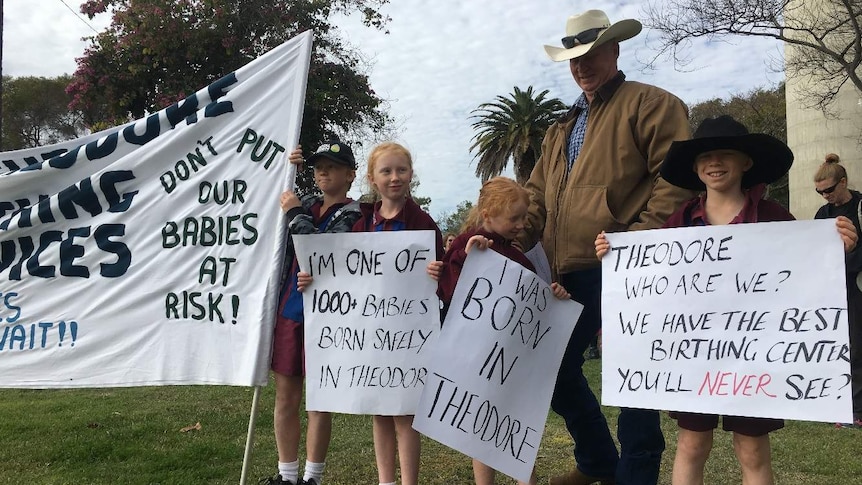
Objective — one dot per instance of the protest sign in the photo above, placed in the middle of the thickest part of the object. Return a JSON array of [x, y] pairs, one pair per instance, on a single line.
[[371, 318], [151, 255], [540, 261], [17, 159], [741, 319], [493, 370]]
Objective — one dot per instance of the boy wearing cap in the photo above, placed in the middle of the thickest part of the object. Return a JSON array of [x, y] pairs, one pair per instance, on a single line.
[[733, 167], [334, 172]]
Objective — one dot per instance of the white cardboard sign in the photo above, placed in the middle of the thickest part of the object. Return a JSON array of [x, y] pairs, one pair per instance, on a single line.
[[371, 318], [741, 319], [494, 368]]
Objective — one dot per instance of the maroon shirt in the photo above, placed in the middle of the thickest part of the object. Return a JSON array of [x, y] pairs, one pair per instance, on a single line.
[[756, 209], [411, 218]]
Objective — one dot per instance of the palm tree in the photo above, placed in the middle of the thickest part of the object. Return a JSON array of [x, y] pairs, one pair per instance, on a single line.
[[512, 127]]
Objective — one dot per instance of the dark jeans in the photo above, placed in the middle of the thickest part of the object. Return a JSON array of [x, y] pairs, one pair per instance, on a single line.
[[638, 430]]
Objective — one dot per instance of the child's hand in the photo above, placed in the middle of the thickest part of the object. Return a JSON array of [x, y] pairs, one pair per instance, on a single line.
[[602, 245], [303, 280], [847, 231], [289, 200], [480, 242], [434, 269], [296, 158], [559, 292]]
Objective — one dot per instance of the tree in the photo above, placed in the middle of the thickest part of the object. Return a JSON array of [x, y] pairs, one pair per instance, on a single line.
[[761, 111], [156, 52], [825, 36], [36, 112], [452, 222], [423, 202], [512, 128]]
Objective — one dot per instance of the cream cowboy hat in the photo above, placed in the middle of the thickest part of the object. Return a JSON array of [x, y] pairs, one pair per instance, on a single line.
[[588, 30]]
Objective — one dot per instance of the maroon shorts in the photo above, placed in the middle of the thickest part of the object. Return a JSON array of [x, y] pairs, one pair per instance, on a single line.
[[737, 424], [288, 353]]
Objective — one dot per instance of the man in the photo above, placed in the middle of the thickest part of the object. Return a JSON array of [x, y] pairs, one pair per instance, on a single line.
[[599, 171]]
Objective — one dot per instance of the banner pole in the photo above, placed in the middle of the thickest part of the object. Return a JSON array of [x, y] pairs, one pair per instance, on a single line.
[[246, 459]]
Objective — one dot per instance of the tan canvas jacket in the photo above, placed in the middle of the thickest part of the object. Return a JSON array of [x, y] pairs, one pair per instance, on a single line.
[[615, 183]]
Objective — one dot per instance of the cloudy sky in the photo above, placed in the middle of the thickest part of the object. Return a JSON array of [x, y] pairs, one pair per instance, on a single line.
[[441, 59]]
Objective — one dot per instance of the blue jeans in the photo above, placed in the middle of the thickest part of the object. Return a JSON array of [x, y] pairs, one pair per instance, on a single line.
[[638, 430]]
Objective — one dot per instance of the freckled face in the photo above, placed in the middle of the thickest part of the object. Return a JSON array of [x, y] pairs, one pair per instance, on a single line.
[[391, 176], [509, 222], [722, 170]]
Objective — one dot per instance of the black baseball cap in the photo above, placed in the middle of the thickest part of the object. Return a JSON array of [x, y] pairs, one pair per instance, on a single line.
[[335, 150]]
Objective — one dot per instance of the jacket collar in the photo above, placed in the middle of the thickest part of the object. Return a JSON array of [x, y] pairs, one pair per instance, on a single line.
[[603, 94], [608, 89]]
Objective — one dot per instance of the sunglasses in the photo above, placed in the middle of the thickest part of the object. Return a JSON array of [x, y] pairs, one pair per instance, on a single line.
[[585, 37], [828, 190]]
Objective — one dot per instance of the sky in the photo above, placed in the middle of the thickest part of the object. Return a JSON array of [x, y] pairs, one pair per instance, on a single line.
[[439, 60]]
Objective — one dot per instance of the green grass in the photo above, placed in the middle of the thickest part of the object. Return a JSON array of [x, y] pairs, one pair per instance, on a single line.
[[132, 436]]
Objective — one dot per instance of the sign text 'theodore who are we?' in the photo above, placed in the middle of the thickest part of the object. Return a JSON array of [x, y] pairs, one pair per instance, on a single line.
[[742, 319]]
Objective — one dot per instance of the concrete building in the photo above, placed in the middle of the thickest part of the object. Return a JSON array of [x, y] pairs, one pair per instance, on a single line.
[[811, 134]]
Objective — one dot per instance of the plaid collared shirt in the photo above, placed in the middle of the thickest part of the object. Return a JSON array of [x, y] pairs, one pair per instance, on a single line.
[[576, 137]]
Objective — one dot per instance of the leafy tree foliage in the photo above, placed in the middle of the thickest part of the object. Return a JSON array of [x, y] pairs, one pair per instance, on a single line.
[[423, 202], [512, 127], [825, 36], [36, 113], [451, 223], [157, 52], [761, 111]]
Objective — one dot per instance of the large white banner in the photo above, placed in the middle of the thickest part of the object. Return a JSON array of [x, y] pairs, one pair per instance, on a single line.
[[493, 370], [741, 319], [151, 254], [371, 318]]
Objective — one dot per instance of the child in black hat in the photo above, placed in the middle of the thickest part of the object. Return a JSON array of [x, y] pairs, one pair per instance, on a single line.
[[331, 212], [733, 167]]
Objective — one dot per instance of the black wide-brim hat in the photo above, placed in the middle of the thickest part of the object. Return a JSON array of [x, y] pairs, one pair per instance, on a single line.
[[770, 157]]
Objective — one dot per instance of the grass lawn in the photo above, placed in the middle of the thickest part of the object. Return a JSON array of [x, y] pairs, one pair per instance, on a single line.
[[132, 436]]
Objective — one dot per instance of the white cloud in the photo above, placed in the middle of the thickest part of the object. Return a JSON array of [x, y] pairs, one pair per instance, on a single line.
[[443, 58], [43, 37]]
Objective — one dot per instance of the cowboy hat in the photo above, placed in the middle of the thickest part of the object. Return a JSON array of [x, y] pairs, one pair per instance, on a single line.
[[770, 157], [589, 30]]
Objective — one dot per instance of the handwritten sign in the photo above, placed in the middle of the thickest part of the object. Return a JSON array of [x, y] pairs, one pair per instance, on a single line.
[[743, 319], [151, 255], [371, 318], [493, 371]]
